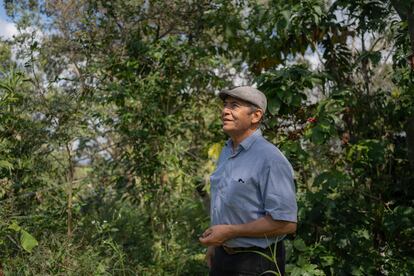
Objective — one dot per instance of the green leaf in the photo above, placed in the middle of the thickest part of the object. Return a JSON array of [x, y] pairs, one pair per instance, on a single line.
[[27, 241], [299, 244], [317, 10], [273, 105], [286, 14], [327, 260], [14, 226], [6, 164], [214, 151], [317, 136]]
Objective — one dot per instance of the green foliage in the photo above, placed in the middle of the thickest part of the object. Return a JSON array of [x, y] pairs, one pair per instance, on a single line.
[[285, 88], [27, 241]]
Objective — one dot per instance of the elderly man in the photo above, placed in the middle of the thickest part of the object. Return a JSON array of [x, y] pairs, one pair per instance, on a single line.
[[253, 204]]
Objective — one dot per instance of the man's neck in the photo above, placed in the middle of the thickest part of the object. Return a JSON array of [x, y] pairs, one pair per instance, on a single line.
[[238, 138]]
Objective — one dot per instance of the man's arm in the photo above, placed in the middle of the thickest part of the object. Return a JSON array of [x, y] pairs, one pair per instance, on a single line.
[[263, 227]]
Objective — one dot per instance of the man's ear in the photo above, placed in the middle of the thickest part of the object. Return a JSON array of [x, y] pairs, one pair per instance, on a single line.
[[257, 116]]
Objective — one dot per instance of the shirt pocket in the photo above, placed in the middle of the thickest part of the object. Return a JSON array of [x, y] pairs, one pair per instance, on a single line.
[[241, 194]]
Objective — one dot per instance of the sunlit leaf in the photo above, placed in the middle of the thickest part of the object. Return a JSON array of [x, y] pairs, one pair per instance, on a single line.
[[27, 241]]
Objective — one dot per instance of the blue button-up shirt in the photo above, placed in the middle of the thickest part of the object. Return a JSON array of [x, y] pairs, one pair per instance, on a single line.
[[254, 180]]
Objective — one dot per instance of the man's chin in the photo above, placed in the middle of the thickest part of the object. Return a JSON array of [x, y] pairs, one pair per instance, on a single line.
[[227, 130]]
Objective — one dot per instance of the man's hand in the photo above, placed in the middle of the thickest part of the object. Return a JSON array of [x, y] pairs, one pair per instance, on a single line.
[[217, 235], [210, 255], [263, 227]]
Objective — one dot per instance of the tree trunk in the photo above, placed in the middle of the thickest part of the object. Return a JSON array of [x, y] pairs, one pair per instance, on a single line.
[[405, 11], [409, 129]]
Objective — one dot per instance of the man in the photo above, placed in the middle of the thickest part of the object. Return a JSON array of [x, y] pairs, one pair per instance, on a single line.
[[253, 204]]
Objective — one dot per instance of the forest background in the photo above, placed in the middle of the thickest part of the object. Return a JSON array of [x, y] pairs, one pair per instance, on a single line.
[[109, 129]]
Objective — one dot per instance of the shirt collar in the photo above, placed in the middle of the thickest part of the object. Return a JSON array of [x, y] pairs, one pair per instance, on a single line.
[[247, 142]]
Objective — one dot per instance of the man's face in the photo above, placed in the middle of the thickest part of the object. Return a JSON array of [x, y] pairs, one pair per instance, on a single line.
[[237, 116]]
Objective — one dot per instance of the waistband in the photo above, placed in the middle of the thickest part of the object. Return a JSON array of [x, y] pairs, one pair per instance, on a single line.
[[235, 250]]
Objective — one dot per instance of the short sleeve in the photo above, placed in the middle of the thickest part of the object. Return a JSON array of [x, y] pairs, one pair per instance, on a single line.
[[278, 192]]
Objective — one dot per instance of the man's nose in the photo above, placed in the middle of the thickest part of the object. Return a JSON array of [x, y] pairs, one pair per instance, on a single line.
[[224, 111]]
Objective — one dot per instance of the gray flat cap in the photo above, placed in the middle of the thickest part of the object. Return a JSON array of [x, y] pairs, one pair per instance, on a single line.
[[248, 94]]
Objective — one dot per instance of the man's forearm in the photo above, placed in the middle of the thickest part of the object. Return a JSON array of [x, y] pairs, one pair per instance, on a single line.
[[262, 227]]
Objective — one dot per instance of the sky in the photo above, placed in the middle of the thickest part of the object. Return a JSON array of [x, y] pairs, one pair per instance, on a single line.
[[7, 28]]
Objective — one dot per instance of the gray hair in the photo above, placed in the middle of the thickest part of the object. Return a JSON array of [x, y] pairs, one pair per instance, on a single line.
[[254, 108]]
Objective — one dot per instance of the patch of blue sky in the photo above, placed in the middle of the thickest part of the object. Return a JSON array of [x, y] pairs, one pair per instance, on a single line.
[[7, 27], [3, 15]]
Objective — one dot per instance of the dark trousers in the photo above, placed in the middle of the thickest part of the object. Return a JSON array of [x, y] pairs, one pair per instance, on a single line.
[[246, 262]]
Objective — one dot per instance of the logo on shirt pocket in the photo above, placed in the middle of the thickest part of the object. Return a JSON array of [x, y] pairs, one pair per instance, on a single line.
[[240, 193]]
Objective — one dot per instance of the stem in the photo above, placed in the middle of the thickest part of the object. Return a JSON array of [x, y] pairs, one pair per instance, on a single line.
[[365, 64], [70, 192]]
